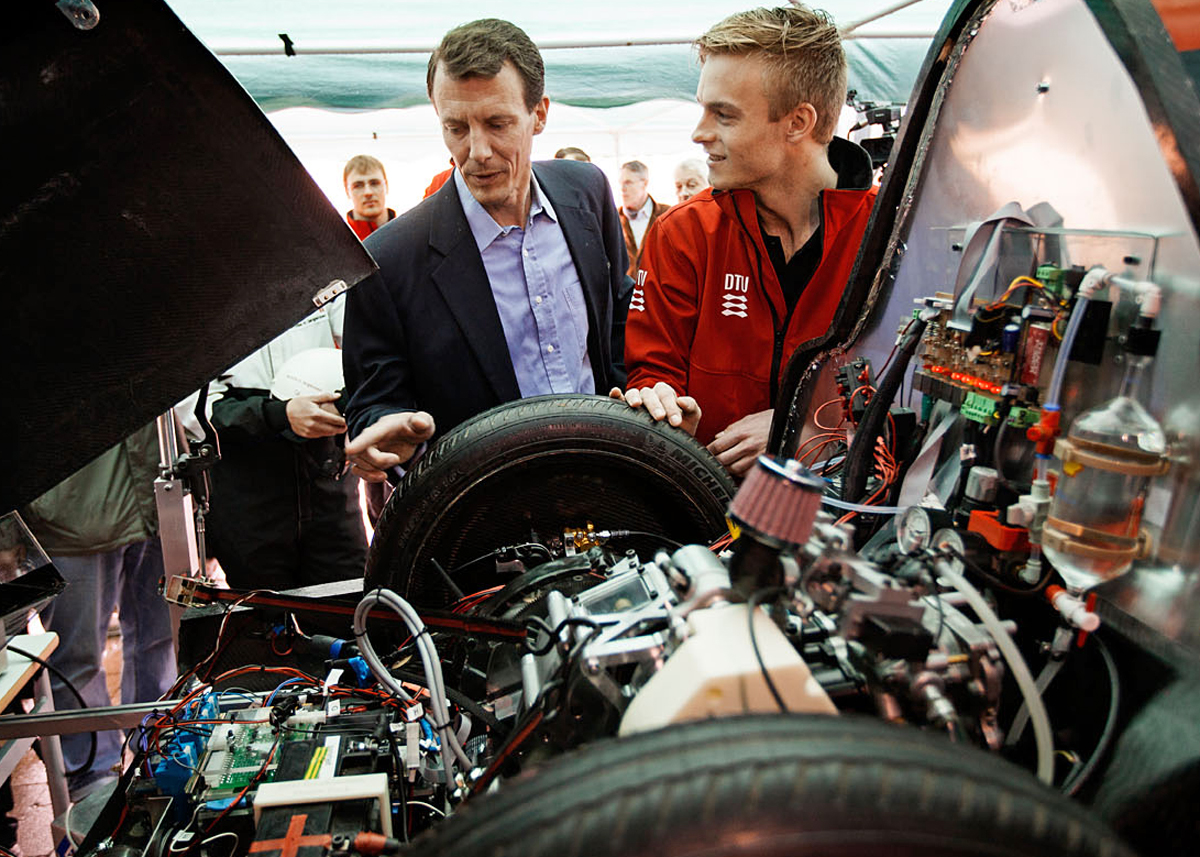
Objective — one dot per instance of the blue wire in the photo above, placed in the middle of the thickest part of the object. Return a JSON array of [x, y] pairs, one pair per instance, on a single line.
[[281, 687], [243, 694]]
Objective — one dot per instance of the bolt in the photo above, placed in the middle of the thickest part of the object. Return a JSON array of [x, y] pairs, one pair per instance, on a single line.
[[1043, 87]]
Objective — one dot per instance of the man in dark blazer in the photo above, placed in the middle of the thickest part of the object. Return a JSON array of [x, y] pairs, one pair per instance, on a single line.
[[508, 282]]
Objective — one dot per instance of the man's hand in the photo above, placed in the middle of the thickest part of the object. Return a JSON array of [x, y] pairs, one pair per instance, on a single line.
[[315, 416], [739, 445], [662, 402], [388, 443]]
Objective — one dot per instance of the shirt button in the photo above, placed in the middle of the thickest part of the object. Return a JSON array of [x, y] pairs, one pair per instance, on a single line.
[[524, 252], [538, 299], [550, 349]]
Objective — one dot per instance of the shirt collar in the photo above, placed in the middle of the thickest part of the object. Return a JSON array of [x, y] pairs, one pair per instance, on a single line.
[[484, 227], [644, 211]]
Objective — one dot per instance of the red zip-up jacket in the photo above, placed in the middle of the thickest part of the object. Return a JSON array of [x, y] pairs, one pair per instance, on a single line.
[[363, 228], [708, 315]]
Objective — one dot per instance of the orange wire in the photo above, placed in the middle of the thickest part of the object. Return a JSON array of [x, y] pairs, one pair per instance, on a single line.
[[817, 416]]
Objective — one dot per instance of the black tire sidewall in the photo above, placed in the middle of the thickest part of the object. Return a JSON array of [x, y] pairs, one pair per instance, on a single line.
[[575, 428]]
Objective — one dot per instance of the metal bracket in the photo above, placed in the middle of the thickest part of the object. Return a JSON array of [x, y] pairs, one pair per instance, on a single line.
[[328, 293]]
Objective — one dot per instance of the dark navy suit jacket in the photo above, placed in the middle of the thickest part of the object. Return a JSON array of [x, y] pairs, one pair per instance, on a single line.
[[423, 333]]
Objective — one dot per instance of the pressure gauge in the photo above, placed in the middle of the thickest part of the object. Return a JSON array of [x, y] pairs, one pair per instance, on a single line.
[[916, 527], [959, 545]]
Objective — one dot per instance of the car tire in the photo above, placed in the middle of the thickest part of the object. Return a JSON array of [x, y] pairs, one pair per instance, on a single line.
[[531, 467], [774, 786]]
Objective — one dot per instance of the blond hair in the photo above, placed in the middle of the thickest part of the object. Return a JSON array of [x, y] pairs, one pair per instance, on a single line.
[[363, 164], [803, 54]]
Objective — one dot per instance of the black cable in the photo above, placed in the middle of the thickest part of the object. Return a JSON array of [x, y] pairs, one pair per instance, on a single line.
[[1075, 781], [112, 814], [459, 698], [498, 551], [454, 590], [616, 534], [390, 737], [91, 757], [555, 633], [946, 550], [753, 603], [536, 712], [861, 458]]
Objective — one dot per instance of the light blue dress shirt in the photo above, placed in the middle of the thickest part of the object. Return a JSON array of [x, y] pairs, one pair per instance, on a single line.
[[538, 294]]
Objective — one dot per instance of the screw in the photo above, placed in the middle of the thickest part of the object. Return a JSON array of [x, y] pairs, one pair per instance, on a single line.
[[1043, 87]]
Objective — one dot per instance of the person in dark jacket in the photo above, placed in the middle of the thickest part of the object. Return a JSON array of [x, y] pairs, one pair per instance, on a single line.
[[508, 282], [283, 511], [100, 529]]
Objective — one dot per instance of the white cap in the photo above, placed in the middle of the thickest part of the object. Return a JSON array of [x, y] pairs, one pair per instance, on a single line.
[[317, 370]]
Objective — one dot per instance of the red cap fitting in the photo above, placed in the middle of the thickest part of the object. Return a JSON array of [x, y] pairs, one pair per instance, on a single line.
[[1045, 431]]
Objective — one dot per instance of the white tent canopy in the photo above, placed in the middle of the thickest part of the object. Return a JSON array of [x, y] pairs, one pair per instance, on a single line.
[[364, 54], [409, 142], [357, 81]]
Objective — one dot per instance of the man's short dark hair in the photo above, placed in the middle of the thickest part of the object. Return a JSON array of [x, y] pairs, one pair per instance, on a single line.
[[637, 168], [480, 49]]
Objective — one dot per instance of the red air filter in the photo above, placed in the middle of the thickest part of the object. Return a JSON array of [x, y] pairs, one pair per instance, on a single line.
[[779, 500]]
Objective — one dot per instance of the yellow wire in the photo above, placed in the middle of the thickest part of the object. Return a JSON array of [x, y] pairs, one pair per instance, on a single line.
[[1012, 287]]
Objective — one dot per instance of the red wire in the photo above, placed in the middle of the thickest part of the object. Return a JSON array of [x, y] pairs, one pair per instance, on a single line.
[[817, 416], [512, 746], [721, 543], [253, 781]]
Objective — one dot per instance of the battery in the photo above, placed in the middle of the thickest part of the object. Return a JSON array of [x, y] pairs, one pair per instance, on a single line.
[[1037, 340]]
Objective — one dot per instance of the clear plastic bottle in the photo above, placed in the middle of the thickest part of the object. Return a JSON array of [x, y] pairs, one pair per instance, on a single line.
[[1180, 541], [1103, 500]]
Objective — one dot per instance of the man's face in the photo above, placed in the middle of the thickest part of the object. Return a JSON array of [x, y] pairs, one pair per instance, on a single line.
[[368, 194], [688, 183], [745, 148], [489, 132], [633, 190]]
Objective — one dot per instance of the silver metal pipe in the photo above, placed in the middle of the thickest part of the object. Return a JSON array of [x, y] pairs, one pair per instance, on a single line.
[[875, 16], [74, 721], [168, 440], [531, 683]]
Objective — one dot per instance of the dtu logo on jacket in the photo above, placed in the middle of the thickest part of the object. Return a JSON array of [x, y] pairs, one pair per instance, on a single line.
[[733, 302], [637, 301]]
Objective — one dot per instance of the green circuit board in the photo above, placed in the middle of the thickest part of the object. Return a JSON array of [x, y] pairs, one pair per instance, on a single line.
[[236, 755]]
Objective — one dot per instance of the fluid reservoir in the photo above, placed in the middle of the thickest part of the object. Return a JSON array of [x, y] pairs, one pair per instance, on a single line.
[[1107, 459], [1180, 541]]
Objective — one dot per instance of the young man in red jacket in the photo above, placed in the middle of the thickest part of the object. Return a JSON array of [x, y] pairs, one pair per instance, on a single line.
[[366, 185], [734, 279]]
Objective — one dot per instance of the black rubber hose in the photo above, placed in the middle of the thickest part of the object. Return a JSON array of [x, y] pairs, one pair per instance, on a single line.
[[861, 457], [87, 765]]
